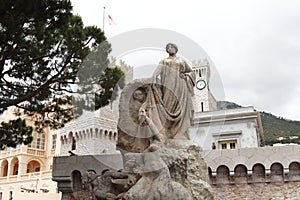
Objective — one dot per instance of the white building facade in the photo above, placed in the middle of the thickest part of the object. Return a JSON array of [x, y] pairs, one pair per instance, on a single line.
[[227, 129], [26, 171]]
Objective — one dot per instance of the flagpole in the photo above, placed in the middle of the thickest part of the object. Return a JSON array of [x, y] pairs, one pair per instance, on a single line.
[[103, 18]]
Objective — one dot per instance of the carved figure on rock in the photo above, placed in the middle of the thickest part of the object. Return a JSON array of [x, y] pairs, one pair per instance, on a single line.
[[156, 182], [90, 180], [109, 185]]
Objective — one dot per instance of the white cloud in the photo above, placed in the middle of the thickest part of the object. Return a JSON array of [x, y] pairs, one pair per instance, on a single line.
[[255, 45]]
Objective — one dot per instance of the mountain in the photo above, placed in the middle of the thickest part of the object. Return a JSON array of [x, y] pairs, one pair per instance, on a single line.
[[276, 129]]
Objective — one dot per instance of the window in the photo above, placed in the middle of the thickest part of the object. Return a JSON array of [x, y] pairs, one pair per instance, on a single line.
[[232, 145], [227, 144], [73, 144], [38, 141], [10, 195], [224, 146], [54, 139], [43, 141]]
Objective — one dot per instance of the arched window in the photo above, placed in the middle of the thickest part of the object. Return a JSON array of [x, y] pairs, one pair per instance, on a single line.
[[276, 172], [240, 174], [14, 166], [4, 167], [258, 173], [76, 181], [73, 147], [96, 130], [222, 174], [294, 171]]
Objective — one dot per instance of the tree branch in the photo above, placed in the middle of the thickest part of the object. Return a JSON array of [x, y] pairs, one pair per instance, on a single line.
[[41, 88]]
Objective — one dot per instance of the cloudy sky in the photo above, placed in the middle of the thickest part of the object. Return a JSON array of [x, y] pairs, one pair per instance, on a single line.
[[254, 45]]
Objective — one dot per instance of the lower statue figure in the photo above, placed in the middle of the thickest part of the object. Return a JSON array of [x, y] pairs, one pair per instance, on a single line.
[[156, 182], [108, 185]]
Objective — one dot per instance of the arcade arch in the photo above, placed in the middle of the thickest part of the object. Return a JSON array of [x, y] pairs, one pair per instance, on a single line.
[[33, 166], [4, 167], [222, 174]]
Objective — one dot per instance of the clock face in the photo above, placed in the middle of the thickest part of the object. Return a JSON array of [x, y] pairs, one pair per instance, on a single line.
[[201, 84]]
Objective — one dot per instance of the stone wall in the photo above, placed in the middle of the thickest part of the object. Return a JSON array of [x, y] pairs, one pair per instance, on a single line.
[[249, 157], [258, 191], [265, 173]]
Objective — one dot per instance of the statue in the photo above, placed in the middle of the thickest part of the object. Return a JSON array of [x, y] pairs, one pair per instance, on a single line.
[[166, 99], [169, 98], [154, 117]]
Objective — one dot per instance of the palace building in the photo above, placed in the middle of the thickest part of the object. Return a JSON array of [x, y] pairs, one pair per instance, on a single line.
[[26, 171]]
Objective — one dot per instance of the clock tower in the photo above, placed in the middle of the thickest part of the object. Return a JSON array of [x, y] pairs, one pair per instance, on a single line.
[[203, 99]]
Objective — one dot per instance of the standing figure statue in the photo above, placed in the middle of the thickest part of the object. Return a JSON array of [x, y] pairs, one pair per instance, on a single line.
[[155, 115], [169, 100]]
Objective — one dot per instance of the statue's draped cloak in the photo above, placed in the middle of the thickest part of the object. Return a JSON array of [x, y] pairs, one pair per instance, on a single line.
[[169, 98]]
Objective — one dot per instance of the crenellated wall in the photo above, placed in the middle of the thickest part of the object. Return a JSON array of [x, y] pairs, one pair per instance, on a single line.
[[89, 142], [92, 133], [255, 173]]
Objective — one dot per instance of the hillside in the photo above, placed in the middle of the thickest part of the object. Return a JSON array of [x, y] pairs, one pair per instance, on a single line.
[[274, 127]]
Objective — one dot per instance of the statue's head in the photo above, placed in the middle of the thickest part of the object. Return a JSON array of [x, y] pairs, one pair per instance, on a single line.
[[169, 47]]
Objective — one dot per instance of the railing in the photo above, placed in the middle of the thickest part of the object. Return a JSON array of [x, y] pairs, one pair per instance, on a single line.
[[14, 152], [13, 178], [3, 179], [37, 152], [11, 152], [28, 176]]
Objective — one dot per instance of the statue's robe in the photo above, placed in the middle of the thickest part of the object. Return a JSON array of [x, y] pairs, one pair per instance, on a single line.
[[170, 97]]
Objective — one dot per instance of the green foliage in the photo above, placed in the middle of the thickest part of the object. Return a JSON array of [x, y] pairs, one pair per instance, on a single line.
[[14, 132], [273, 127], [107, 83], [43, 47]]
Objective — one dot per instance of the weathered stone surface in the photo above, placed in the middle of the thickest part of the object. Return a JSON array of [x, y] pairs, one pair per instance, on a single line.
[[176, 171], [258, 191], [190, 170]]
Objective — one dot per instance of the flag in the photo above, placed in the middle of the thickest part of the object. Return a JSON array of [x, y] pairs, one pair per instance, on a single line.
[[110, 20]]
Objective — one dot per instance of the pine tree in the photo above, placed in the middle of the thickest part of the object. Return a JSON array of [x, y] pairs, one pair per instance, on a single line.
[[44, 51]]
